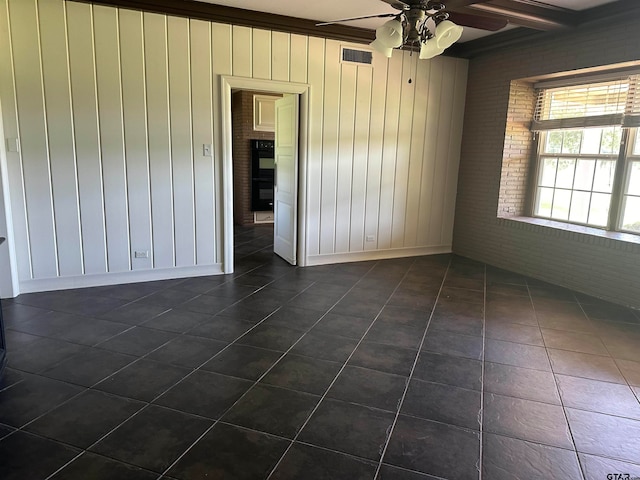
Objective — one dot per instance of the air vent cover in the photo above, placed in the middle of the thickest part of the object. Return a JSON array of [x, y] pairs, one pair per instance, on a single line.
[[357, 56]]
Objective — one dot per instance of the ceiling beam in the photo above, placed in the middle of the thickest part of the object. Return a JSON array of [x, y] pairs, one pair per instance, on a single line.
[[238, 16], [526, 14]]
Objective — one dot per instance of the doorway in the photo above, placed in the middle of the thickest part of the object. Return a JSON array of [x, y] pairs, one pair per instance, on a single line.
[[301, 94]]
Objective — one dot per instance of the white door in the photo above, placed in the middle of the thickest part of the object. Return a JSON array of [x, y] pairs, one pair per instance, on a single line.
[[286, 179]]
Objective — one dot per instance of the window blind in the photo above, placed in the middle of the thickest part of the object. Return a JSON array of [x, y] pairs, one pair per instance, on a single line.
[[615, 102]]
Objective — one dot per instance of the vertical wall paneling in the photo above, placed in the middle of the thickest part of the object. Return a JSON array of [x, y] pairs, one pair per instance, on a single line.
[[360, 158], [374, 159], [242, 54], [221, 48], [428, 179], [403, 150], [135, 138], [14, 170], [201, 108], [346, 134], [280, 56], [160, 167], [110, 117], [90, 198], [113, 107], [421, 80], [298, 51], [260, 54], [455, 134], [181, 141], [442, 154], [55, 69], [35, 155], [315, 154], [389, 149], [330, 142]]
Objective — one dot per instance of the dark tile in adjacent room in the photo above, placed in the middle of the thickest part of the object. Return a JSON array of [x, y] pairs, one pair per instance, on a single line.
[[508, 311], [516, 354], [520, 382], [411, 317], [271, 337], [30, 398], [596, 396], [239, 454], [597, 468], [462, 294], [585, 365], [512, 332], [304, 374], [153, 439], [84, 419], [134, 313], [343, 325], [187, 351], [448, 343], [177, 320], [443, 403], [41, 354], [137, 341], [168, 297], [457, 371], [50, 324], [324, 346], [97, 467], [569, 321], [143, 380], [369, 387], [207, 304], [358, 307], [295, 318], [390, 333], [527, 420], [91, 331], [389, 472], [348, 428], [610, 312], [310, 301], [385, 358], [312, 463], [573, 341], [272, 410], [89, 367], [605, 435], [222, 328], [434, 448], [243, 361], [507, 458], [37, 458]]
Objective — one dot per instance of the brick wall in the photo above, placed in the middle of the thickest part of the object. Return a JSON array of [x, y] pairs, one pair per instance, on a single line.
[[604, 267], [243, 132]]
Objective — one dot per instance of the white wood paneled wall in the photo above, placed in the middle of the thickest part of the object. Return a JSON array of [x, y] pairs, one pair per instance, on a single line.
[[112, 108]]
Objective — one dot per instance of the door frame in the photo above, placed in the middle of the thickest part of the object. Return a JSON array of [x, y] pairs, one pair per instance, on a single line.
[[301, 90]]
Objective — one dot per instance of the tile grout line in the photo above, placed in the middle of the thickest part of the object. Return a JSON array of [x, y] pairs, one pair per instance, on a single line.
[[292, 441], [555, 381], [413, 367], [218, 420]]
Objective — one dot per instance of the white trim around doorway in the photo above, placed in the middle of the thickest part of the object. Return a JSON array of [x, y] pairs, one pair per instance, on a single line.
[[227, 84]]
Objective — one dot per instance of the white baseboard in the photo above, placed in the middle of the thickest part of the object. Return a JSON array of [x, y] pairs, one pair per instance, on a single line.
[[103, 279], [325, 259]]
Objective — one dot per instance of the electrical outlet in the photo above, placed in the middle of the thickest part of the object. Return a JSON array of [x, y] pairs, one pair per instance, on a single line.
[[13, 145], [371, 238], [141, 254], [207, 150]]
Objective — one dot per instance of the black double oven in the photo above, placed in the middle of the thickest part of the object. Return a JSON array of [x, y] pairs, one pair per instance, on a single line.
[[262, 175]]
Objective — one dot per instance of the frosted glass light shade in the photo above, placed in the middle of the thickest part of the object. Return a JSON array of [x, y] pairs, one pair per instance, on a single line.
[[430, 49], [447, 33], [390, 34], [386, 51]]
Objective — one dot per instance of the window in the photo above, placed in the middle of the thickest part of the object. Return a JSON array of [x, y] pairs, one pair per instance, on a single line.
[[588, 159]]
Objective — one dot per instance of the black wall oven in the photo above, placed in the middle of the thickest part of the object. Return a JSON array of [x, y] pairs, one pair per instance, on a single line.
[[262, 173]]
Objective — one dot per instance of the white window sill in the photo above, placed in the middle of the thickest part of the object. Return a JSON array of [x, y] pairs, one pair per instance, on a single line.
[[626, 238]]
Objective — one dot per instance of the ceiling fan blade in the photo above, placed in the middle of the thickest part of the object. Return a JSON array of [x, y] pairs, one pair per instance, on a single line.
[[477, 21], [397, 4], [382, 15]]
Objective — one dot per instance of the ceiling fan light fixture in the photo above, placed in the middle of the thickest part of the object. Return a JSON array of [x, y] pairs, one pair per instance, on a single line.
[[386, 51], [429, 49], [447, 33], [390, 34]]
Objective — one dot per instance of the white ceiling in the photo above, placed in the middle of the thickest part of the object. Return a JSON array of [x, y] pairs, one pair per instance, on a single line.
[[327, 10]]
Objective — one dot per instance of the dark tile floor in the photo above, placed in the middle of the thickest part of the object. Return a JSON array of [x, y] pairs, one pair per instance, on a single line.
[[415, 368]]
